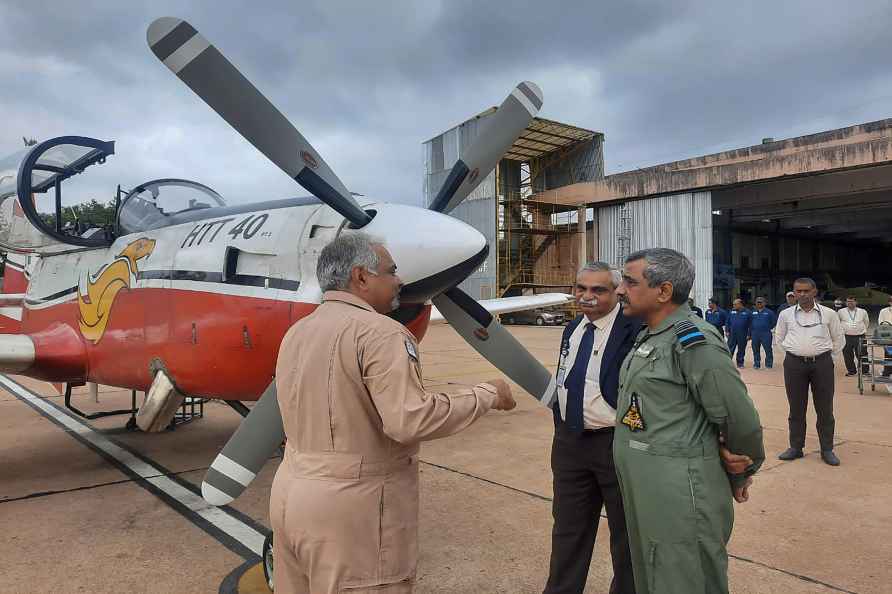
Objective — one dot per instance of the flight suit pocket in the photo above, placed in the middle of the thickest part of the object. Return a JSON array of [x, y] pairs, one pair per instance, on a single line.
[[674, 568], [404, 586], [398, 528]]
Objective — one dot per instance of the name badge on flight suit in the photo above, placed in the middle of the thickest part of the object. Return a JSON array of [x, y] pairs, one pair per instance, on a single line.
[[410, 348], [644, 350]]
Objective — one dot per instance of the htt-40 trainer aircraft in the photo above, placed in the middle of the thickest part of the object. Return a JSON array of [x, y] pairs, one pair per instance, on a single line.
[[186, 295]]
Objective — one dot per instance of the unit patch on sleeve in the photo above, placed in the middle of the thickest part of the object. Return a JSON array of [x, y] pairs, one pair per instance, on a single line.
[[688, 334], [410, 348], [633, 418]]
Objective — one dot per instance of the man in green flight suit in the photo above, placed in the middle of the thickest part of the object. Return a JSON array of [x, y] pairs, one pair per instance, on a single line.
[[679, 395]]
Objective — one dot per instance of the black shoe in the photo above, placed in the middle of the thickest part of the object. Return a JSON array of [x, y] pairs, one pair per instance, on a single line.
[[851, 373], [790, 454], [829, 457]]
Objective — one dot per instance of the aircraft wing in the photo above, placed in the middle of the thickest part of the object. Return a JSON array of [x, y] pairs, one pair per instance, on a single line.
[[509, 304]]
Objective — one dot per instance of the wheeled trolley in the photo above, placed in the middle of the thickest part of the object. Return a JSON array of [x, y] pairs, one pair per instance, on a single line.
[[876, 357]]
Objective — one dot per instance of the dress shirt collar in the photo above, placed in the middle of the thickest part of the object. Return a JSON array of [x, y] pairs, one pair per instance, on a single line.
[[605, 321], [815, 309]]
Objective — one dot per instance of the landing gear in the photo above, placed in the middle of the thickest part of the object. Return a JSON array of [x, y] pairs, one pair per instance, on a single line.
[[191, 409], [131, 422], [268, 561]]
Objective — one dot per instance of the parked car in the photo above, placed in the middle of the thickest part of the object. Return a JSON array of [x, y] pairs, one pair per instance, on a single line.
[[539, 317]]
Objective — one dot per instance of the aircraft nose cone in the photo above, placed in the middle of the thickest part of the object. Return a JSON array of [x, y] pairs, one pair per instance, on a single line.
[[433, 251]]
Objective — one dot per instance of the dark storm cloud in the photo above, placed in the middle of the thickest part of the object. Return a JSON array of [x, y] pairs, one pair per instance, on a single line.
[[367, 83]]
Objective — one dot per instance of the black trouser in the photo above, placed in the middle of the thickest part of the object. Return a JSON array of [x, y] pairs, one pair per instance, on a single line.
[[584, 481], [852, 354], [799, 375]]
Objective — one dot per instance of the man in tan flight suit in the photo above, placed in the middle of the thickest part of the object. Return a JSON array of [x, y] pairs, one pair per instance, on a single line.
[[344, 502]]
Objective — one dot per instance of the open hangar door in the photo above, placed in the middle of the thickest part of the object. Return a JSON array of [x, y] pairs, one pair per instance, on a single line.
[[835, 228]]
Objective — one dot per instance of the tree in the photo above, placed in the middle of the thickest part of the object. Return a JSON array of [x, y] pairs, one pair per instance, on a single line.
[[86, 215]]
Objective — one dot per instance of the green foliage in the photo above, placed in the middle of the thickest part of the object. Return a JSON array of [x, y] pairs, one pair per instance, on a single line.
[[89, 214]]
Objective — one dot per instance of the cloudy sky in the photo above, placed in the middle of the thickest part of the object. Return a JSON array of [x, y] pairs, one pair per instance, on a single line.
[[368, 82]]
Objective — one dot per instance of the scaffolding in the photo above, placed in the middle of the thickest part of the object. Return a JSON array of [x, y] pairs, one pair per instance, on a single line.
[[538, 240], [533, 240], [624, 235]]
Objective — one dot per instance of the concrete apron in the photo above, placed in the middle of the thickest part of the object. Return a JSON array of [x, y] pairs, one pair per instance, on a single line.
[[76, 521]]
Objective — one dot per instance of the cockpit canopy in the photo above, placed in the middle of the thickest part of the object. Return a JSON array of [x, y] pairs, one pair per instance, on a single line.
[[33, 218], [154, 204]]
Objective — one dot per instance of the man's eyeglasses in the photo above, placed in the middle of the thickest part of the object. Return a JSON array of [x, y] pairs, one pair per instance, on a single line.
[[798, 311]]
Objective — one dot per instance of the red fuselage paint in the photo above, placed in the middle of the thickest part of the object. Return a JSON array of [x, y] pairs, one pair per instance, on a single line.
[[212, 345]]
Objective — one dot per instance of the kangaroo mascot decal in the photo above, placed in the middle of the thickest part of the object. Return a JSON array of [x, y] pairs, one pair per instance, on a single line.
[[102, 288]]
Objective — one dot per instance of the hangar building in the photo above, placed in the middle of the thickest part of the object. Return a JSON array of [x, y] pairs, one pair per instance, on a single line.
[[752, 219]]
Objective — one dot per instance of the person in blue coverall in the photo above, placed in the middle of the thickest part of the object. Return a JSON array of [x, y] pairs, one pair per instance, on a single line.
[[762, 322], [738, 330], [716, 316]]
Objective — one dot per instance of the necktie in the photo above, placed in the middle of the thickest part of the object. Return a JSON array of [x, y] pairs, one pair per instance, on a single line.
[[575, 382]]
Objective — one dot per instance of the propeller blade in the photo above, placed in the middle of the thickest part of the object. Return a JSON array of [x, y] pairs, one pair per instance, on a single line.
[[496, 136], [220, 84], [489, 338], [255, 440]]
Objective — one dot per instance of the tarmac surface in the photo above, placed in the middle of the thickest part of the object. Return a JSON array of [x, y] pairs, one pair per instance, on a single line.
[[93, 508]]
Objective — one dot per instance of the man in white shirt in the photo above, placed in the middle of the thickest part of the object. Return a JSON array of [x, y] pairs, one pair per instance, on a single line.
[[809, 334], [592, 348], [854, 323], [886, 314], [886, 318]]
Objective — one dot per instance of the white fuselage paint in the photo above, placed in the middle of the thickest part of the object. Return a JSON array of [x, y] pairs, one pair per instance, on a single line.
[[281, 245]]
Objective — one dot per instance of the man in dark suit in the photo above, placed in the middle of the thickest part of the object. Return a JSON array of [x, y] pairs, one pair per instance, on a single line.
[[592, 348]]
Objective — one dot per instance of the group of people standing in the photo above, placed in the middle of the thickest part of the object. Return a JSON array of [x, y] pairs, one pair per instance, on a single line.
[[652, 421], [809, 334], [740, 325]]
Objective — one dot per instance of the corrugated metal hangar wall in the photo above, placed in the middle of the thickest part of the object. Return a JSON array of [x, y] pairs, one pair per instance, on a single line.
[[682, 222], [478, 209]]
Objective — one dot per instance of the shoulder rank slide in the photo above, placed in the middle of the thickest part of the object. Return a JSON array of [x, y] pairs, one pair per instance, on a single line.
[[688, 334]]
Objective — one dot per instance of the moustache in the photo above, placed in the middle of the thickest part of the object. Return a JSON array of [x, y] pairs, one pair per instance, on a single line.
[[589, 302]]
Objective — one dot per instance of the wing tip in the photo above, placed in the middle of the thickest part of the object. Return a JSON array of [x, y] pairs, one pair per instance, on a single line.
[[159, 28]]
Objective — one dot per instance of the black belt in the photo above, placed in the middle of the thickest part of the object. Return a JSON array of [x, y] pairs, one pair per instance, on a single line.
[[600, 430], [809, 359]]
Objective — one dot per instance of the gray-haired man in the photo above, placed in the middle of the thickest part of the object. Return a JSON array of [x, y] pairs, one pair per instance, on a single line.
[[592, 348], [344, 503], [678, 394]]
